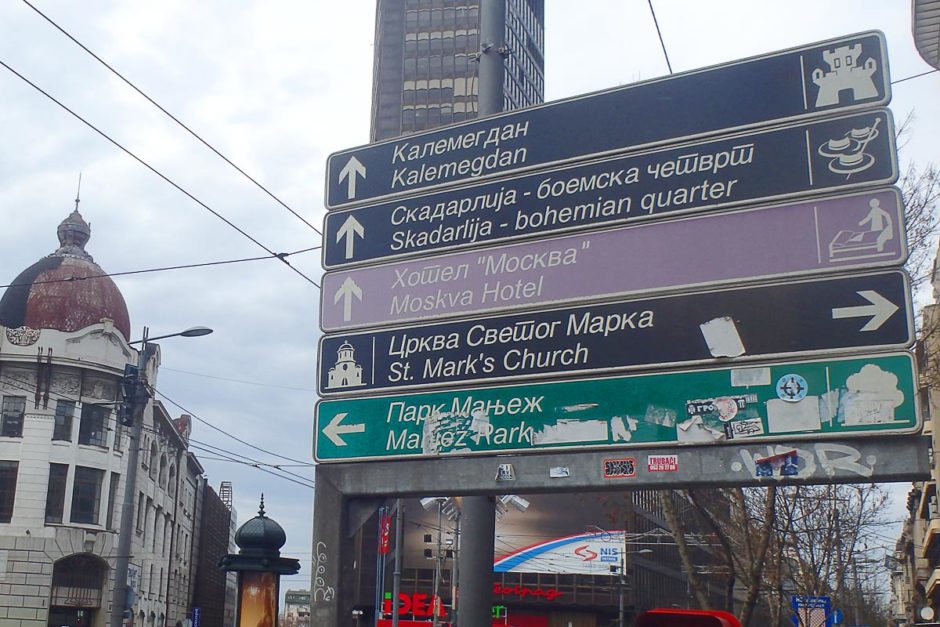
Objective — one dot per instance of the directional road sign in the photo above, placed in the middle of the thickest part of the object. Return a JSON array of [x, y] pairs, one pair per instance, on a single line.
[[840, 74], [818, 316], [864, 395], [717, 173], [817, 236]]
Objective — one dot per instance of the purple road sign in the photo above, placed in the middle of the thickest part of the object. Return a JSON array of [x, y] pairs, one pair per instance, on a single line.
[[862, 230]]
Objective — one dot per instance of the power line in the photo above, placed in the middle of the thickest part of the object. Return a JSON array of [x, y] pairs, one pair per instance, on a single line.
[[220, 451], [154, 431], [658, 33], [258, 467], [171, 116], [266, 385], [161, 175], [162, 269], [209, 424], [907, 78]]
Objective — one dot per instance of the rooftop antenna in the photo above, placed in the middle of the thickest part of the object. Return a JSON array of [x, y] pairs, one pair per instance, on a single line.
[[78, 192]]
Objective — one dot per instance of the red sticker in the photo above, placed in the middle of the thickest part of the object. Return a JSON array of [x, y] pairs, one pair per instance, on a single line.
[[662, 463]]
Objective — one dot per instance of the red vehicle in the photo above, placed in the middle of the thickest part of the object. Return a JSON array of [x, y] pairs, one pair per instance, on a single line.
[[686, 618]]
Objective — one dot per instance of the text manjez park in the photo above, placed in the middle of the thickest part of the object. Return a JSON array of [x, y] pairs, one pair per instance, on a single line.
[[854, 396]]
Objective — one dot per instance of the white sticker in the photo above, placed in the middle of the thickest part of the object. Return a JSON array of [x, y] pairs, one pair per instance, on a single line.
[[722, 337], [746, 377]]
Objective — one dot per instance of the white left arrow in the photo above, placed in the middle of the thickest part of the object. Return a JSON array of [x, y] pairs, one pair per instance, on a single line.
[[350, 229], [334, 429], [350, 171], [347, 291], [879, 309]]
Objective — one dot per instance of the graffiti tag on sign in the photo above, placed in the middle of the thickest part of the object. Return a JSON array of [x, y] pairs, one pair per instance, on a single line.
[[619, 468]]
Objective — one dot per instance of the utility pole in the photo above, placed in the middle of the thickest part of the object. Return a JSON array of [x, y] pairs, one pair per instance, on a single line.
[[132, 411], [479, 512], [120, 600]]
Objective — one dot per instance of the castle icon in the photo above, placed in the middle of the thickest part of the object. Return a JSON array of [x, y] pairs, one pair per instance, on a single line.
[[844, 73], [346, 373]]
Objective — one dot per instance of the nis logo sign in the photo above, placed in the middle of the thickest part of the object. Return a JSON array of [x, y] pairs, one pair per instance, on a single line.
[[606, 553]]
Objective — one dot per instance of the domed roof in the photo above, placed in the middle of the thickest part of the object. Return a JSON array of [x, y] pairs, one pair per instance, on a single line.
[[260, 535], [51, 293]]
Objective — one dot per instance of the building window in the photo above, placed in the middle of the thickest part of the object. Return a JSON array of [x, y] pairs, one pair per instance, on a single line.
[[112, 496], [93, 429], [55, 494], [8, 471], [86, 495], [153, 460], [64, 412], [141, 512], [14, 408]]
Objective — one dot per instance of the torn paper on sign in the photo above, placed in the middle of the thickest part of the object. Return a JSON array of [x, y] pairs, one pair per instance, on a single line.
[[695, 430], [785, 417], [722, 337], [749, 377], [870, 397], [572, 432]]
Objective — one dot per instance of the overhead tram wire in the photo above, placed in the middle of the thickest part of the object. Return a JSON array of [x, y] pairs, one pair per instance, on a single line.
[[171, 116], [163, 269], [280, 256], [658, 33], [221, 451], [258, 467], [209, 424], [112, 418]]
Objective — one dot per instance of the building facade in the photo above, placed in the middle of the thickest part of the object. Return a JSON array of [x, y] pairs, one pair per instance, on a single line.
[[63, 348], [425, 68]]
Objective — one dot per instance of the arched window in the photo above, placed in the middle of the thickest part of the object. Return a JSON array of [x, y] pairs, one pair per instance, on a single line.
[[171, 482], [163, 465], [153, 460]]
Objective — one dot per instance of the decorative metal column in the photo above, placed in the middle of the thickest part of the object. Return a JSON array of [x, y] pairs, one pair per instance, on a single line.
[[259, 566]]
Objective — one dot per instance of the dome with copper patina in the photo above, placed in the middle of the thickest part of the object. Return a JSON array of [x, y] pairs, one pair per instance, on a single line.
[[65, 291]]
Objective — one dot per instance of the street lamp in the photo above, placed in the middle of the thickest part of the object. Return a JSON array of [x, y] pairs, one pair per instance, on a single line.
[[623, 580], [120, 597]]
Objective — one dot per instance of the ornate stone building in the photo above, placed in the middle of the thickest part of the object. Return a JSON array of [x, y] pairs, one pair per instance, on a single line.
[[64, 342]]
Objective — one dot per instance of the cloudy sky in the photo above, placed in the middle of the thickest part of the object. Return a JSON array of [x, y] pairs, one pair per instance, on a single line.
[[276, 86]]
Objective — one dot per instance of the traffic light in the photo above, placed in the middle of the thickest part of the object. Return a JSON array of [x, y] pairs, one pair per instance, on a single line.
[[686, 618], [130, 383]]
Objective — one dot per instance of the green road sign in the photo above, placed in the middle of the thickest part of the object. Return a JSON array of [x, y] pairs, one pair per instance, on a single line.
[[811, 399]]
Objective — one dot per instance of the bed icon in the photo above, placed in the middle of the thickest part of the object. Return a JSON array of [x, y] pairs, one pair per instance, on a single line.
[[863, 244]]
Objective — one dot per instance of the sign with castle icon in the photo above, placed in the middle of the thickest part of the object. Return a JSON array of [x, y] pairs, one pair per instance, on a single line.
[[845, 73]]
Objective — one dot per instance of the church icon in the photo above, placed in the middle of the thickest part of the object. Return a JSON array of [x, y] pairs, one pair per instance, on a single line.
[[346, 373], [845, 73]]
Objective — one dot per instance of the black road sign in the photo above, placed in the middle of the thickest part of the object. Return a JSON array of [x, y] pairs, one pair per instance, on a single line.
[[840, 74], [749, 167], [822, 316]]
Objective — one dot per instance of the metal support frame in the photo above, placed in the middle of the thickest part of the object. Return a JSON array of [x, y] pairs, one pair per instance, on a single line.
[[860, 460]]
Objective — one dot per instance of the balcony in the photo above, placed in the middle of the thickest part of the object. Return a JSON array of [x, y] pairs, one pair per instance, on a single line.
[[931, 535]]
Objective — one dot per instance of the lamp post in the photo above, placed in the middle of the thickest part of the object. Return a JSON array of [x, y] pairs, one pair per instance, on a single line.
[[120, 599], [623, 579]]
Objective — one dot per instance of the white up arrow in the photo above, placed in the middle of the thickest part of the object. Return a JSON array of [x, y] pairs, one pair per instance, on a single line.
[[349, 230], [334, 430], [350, 171], [346, 291], [880, 310]]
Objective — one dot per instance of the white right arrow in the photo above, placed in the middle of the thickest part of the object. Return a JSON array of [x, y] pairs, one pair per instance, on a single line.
[[334, 430], [351, 227], [350, 171], [347, 291], [880, 310]]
